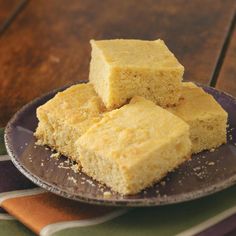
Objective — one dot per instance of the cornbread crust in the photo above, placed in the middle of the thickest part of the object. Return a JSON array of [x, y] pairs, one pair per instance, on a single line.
[[121, 69], [206, 118], [64, 118], [134, 146]]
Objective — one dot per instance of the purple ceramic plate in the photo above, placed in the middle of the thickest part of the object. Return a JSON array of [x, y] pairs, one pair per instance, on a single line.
[[206, 173]]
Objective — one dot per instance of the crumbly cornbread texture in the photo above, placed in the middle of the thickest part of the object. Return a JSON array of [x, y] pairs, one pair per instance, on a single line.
[[64, 118], [121, 69], [134, 146], [206, 118]]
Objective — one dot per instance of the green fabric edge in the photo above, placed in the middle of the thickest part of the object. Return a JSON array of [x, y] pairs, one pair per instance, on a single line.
[[2, 145], [13, 227], [163, 220]]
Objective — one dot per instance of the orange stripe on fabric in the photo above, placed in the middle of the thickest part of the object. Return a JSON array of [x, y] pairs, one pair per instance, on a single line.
[[39, 210]]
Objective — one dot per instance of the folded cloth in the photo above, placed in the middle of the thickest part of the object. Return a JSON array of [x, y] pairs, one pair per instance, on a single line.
[[47, 214]]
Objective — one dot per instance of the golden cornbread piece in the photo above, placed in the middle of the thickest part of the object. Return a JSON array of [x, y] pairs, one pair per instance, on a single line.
[[206, 118], [64, 118], [121, 69], [134, 146]]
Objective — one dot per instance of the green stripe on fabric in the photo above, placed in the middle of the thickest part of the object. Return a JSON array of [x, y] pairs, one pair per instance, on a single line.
[[13, 227], [2, 146], [163, 220]]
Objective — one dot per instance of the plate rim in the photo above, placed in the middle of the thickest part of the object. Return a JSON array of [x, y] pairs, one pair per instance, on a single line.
[[153, 201]]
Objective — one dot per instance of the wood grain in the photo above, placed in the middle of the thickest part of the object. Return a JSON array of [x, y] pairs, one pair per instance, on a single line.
[[227, 76], [48, 45], [7, 9]]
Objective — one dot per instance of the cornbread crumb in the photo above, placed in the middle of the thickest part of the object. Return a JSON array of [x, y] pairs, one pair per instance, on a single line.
[[75, 168], [163, 183], [61, 166], [197, 168], [123, 68], [71, 178], [211, 163], [38, 142], [55, 155], [107, 194], [180, 182], [89, 181]]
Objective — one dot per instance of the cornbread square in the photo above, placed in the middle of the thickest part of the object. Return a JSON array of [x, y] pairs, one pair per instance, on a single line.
[[121, 69], [206, 118], [67, 116], [134, 146]]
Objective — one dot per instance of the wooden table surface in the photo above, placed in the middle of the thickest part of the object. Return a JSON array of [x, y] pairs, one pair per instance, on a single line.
[[45, 44]]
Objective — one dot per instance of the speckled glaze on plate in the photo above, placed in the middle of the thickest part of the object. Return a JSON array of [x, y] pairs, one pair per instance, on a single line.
[[206, 173]]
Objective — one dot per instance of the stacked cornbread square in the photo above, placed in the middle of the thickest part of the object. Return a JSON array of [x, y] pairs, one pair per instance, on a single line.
[[64, 118], [134, 146], [135, 121], [121, 69], [206, 118]]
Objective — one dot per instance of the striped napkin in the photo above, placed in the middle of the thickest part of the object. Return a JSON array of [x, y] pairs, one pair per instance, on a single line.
[[28, 210]]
